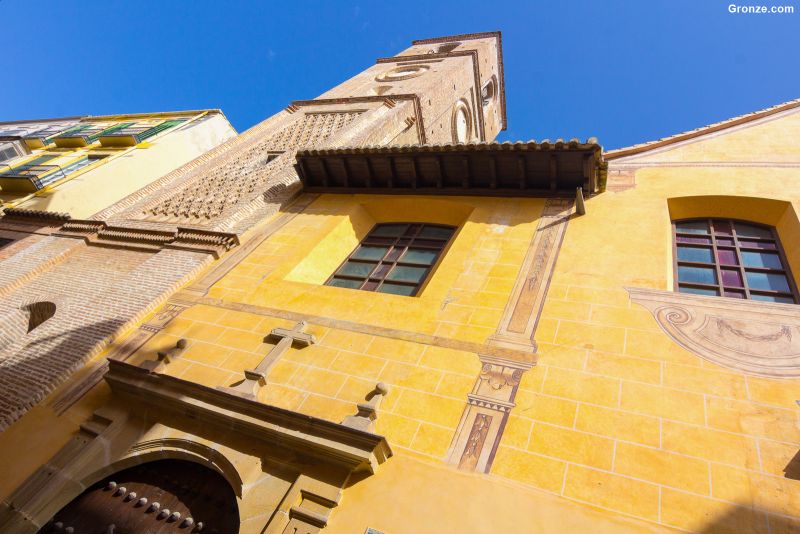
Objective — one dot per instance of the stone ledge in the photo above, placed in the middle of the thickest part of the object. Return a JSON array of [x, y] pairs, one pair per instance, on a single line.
[[330, 442]]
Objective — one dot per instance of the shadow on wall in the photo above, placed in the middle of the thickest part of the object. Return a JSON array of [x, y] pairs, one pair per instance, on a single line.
[[743, 519], [34, 361], [792, 469]]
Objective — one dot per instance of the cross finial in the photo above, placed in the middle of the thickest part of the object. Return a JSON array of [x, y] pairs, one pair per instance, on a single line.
[[367, 411], [254, 379]]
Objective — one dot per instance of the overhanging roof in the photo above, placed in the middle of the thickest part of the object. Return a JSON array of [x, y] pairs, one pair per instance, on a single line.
[[488, 169]]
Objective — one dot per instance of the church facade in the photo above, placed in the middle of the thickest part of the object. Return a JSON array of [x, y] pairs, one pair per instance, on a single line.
[[363, 315]]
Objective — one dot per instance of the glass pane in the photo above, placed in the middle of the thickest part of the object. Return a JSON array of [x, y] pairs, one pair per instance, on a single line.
[[724, 241], [734, 294], [770, 281], [722, 227], [412, 230], [352, 268], [370, 286], [370, 253], [407, 274], [389, 230], [698, 275], [396, 289], [378, 240], [732, 278], [727, 257], [415, 255], [436, 232], [696, 291], [698, 240], [703, 255], [342, 282], [773, 298], [770, 260], [692, 227], [750, 230], [755, 244]]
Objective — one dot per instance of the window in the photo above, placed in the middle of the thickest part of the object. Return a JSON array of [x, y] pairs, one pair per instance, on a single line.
[[7, 152], [394, 258], [733, 259], [488, 92], [5, 242], [32, 163]]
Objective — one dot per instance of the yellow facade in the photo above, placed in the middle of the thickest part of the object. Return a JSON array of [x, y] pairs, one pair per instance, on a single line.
[[616, 428]]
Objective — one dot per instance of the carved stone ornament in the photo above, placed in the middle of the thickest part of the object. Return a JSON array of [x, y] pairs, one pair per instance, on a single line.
[[758, 338]]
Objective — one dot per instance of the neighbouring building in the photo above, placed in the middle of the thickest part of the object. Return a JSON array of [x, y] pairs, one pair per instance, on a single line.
[[80, 165], [363, 315]]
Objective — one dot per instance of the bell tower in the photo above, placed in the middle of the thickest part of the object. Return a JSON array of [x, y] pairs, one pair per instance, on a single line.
[[457, 80]]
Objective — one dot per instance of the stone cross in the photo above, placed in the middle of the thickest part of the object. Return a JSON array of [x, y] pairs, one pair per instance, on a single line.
[[254, 379]]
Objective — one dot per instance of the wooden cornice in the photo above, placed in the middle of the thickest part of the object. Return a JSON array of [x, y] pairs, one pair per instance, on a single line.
[[488, 169]]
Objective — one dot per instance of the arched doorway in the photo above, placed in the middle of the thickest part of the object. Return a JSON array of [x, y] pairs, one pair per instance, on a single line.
[[164, 496]]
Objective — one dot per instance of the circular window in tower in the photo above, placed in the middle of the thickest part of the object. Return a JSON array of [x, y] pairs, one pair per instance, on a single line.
[[461, 125], [403, 72]]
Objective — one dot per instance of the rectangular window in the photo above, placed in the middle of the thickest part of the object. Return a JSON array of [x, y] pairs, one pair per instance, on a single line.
[[5, 242], [733, 259], [394, 258]]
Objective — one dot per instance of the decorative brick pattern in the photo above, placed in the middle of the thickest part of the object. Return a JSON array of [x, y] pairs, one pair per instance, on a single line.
[[98, 293], [242, 178]]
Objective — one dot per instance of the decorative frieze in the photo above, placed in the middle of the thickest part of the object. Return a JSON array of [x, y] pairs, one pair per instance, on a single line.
[[98, 233], [758, 338], [246, 175], [488, 405], [492, 398]]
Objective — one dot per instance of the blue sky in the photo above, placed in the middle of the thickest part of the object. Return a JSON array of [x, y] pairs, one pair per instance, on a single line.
[[624, 71]]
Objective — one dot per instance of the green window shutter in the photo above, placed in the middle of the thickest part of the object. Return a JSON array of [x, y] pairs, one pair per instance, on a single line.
[[157, 129], [110, 129]]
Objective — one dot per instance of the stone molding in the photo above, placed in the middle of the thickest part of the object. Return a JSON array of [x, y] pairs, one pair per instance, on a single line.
[[757, 338], [331, 443]]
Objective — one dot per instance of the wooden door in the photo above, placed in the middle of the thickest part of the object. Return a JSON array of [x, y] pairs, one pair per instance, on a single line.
[[165, 496]]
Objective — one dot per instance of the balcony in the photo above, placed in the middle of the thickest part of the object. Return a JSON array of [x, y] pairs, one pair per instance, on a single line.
[[30, 178], [133, 135], [79, 137], [42, 138]]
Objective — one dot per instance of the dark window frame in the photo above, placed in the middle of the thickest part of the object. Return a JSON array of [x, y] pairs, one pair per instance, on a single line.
[[384, 266], [737, 247]]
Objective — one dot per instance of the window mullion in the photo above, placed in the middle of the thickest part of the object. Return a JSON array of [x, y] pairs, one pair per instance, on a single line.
[[720, 284], [743, 273]]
